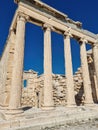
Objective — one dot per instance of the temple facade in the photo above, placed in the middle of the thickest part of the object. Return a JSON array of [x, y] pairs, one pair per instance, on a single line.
[[25, 88]]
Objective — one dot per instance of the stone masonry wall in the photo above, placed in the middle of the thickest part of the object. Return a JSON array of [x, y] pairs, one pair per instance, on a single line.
[[79, 92], [28, 92], [32, 94]]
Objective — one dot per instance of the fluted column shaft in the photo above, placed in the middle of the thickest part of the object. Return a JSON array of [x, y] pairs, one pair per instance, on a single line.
[[85, 73], [95, 56], [16, 85], [69, 71], [48, 89]]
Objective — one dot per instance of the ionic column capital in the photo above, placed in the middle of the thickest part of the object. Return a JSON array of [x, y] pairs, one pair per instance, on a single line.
[[67, 33], [23, 17], [83, 40], [47, 27], [95, 44]]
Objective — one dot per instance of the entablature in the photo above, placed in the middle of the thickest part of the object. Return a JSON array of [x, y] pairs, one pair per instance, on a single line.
[[50, 10], [41, 13]]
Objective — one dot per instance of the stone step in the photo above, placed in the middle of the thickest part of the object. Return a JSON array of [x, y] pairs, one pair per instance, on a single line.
[[50, 120], [44, 113]]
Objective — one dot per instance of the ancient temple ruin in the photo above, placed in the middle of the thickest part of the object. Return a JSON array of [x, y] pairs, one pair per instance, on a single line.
[[32, 90], [20, 88]]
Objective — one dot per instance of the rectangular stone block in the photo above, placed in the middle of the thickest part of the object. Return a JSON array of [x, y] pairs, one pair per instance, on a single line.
[[4, 125], [14, 124]]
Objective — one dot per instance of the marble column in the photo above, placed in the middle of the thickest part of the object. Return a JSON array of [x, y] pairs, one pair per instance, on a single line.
[[48, 88], [95, 57], [69, 71], [4, 85], [16, 85], [85, 73]]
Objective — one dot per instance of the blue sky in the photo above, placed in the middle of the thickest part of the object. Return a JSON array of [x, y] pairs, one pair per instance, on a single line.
[[85, 11]]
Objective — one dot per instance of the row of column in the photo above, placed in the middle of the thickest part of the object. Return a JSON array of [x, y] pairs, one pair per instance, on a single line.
[[16, 85]]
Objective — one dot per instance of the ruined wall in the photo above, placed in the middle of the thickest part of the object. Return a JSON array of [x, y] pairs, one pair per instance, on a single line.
[[28, 92], [79, 92], [59, 90], [32, 95]]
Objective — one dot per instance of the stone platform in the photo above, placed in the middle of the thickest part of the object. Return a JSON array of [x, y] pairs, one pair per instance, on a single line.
[[37, 119]]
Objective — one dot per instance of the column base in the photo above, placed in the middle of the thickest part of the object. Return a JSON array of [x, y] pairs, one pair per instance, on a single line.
[[89, 104], [72, 105], [3, 108], [47, 108], [14, 111]]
